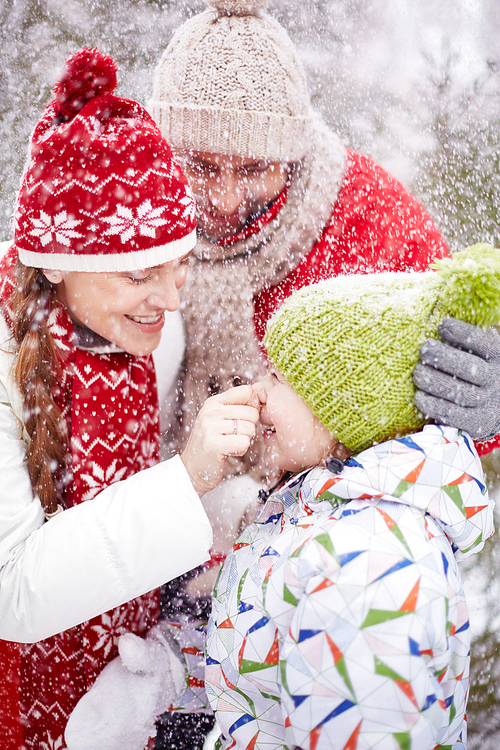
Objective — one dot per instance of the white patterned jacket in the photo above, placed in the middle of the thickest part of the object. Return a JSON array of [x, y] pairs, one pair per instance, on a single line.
[[131, 538], [339, 618]]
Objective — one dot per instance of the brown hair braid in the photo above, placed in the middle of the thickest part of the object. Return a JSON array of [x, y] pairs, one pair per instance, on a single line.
[[35, 370]]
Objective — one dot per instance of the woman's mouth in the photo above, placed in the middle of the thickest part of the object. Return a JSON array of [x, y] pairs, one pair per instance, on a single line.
[[148, 323]]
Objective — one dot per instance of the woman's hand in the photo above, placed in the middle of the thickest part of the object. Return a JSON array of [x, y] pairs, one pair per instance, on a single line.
[[142, 682], [225, 426]]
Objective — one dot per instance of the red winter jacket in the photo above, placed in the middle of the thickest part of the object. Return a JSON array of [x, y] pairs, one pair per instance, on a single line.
[[375, 225]]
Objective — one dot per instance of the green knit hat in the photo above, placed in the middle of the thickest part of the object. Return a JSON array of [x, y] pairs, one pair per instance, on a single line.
[[349, 345]]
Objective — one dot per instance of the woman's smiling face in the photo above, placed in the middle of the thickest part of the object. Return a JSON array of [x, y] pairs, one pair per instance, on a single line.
[[127, 308], [294, 436]]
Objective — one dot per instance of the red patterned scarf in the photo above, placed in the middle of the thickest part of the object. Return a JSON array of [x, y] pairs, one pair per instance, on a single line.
[[111, 407]]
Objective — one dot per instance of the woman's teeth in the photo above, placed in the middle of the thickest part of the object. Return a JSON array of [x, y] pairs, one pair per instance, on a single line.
[[143, 319]]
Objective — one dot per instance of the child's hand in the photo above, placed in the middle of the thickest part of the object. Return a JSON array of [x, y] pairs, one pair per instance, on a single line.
[[225, 426]]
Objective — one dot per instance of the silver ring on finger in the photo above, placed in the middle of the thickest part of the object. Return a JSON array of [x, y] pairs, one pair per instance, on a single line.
[[235, 426]]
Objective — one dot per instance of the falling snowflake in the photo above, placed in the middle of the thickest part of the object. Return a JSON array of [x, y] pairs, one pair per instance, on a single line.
[[59, 227], [128, 222]]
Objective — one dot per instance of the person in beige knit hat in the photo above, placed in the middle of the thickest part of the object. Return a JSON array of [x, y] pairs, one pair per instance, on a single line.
[[282, 203]]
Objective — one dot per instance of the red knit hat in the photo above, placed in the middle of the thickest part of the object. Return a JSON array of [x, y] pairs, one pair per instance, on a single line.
[[101, 190]]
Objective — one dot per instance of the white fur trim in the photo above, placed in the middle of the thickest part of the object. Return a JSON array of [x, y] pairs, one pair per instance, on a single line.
[[134, 260]]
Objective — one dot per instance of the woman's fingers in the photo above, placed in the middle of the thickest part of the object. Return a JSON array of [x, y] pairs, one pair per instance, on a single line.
[[225, 426], [242, 394], [239, 426], [232, 413], [235, 445]]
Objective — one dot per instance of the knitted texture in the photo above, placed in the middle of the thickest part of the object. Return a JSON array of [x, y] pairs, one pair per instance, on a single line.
[[101, 190], [231, 82], [349, 345]]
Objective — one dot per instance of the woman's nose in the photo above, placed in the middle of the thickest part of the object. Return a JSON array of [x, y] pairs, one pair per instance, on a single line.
[[166, 295]]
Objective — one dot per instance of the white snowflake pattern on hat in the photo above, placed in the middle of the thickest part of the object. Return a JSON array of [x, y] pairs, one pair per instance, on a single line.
[[57, 227], [127, 209], [189, 211], [141, 220]]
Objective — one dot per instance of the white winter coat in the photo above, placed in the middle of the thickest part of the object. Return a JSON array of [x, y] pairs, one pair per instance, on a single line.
[[131, 538]]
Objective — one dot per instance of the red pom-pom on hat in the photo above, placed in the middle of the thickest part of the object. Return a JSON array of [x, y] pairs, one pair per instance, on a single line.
[[86, 74]]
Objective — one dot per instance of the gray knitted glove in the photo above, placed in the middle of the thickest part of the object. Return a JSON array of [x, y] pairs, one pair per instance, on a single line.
[[459, 380]]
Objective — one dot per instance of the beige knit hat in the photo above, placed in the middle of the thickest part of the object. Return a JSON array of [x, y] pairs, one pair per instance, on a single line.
[[231, 82]]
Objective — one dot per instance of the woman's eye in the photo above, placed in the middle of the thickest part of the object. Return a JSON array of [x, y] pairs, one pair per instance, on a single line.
[[140, 279]]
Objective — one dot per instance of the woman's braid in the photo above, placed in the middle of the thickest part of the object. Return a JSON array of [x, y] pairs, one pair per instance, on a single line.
[[35, 371]]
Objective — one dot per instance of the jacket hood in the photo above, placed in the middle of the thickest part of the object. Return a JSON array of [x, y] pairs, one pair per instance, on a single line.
[[437, 471]]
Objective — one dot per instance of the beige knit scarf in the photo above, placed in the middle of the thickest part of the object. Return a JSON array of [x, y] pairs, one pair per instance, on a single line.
[[217, 300]]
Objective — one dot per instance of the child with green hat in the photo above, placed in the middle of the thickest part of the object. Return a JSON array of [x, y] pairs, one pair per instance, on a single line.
[[339, 618]]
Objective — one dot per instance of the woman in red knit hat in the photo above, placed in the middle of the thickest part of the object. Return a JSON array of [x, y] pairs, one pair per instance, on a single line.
[[89, 524]]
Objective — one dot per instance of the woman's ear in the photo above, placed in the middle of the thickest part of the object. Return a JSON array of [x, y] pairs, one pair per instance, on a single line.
[[55, 277]]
